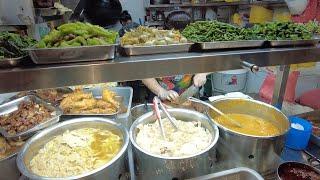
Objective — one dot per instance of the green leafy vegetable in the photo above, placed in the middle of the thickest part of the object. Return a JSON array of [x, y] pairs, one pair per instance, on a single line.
[[209, 31], [282, 31], [12, 45]]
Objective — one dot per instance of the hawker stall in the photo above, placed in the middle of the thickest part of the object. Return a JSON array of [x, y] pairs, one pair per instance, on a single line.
[[77, 101]]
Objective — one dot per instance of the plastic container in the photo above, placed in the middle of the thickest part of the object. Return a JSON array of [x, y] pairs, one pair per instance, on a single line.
[[229, 81], [298, 139]]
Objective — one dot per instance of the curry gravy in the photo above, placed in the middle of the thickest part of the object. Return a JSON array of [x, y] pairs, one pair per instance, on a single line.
[[250, 125]]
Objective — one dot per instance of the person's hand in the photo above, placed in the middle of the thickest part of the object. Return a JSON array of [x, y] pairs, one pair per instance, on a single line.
[[168, 95], [200, 79]]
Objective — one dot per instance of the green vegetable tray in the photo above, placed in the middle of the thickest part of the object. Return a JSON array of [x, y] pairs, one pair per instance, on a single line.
[[157, 49], [230, 44], [71, 54], [278, 43]]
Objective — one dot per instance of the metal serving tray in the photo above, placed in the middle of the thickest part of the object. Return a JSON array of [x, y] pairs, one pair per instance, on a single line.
[[10, 62], [52, 11], [125, 93], [158, 49], [71, 54], [230, 44], [277, 43], [11, 106], [236, 173], [63, 90]]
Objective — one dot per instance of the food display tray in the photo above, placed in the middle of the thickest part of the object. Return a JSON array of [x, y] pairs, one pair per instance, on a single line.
[[71, 54], [158, 49], [123, 93], [25, 93], [230, 44], [313, 117], [11, 106], [278, 43], [236, 173], [10, 62], [47, 11]]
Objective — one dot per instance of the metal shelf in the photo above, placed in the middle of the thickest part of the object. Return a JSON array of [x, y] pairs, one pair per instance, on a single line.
[[140, 67], [217, 4]]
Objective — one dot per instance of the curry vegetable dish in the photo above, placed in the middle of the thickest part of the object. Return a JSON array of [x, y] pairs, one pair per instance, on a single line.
[[76, 152], [80, 102], [250, 125]]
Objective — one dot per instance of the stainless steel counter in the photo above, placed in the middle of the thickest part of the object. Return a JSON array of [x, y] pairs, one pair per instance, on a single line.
[[139, 67]]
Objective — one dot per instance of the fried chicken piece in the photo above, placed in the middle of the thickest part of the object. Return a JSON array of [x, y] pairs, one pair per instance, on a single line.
[[80, 102], [109, 96]]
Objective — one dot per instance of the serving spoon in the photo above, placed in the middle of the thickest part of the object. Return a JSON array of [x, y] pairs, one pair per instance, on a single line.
[[234, 122]]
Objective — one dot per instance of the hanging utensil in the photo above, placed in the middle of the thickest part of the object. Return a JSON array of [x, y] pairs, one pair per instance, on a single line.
[[234, 122], [156, 103], [158, 115]]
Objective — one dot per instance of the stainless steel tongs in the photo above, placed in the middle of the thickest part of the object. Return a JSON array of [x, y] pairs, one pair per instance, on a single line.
[[156, 103]]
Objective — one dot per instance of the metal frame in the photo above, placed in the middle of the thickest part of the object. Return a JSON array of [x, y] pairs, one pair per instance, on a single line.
[[280, 85], [147, 66]]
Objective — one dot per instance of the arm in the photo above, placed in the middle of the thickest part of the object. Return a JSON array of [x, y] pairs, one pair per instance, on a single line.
[[153, 85]]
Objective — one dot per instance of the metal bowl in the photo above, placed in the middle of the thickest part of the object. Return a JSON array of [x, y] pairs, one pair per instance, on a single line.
[[289, 165], [114, 169], [152, 166], [8, 167], [138, 111], [236, 149]]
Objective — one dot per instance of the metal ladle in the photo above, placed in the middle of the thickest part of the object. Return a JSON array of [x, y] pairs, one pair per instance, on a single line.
[[234, 122]]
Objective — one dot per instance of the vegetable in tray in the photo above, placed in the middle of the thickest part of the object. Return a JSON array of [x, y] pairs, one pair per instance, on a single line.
[[282, 31], [146, 36], [11, 45], [314, 27], [78, 34], [209, 31]]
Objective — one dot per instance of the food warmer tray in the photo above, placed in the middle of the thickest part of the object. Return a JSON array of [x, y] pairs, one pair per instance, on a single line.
[[240, 173], [278, 43], [62, 90], [124, 95], [230, 44], [11, 106], [10, 62], [158, 49], [71, 54], [314, 118]]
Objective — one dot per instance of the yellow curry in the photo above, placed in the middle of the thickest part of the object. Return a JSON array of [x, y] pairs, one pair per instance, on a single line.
[[250, 125]]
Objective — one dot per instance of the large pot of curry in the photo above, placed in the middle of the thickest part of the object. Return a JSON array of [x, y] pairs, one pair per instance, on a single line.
[[259, 141]]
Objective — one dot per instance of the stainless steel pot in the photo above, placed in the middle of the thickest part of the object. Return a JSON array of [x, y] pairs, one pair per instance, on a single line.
[[138, 111], [8, 168], [259, 153], [114, 169], [151, 166]]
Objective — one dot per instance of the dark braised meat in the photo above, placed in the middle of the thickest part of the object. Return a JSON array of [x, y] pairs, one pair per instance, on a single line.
[[28, 115], [50, 95]]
